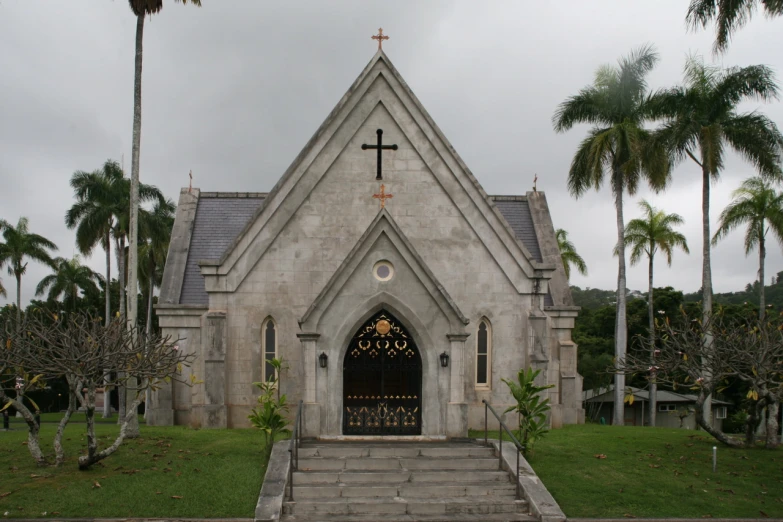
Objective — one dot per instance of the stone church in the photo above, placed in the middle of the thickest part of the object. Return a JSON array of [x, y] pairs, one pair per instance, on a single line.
[[397, 291]]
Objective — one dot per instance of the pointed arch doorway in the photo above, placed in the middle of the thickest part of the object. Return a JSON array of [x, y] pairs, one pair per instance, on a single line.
[[382, 380]]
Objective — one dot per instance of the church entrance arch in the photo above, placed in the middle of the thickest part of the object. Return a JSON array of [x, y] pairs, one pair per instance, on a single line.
[[382, 380]]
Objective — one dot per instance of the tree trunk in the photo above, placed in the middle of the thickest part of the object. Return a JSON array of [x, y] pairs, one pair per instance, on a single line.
[[120, 247], [93, 455], [18, 297], [706, 281], [59, 452], [133, 263], [148, 391], [762, 255], [33, 429], [621, 328], [651, 311], [132, 400], [773, 437], [107, 311], [707, 426]]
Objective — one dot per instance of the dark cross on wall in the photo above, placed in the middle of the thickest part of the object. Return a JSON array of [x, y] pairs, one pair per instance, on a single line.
[[380, 147]]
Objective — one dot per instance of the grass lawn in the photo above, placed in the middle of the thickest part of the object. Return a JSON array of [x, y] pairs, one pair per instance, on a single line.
[[168, 472], [656, 472], [76, 417]]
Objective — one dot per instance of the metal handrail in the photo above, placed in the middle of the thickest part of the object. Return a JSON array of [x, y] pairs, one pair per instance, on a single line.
[[520, 447], [293, 448]]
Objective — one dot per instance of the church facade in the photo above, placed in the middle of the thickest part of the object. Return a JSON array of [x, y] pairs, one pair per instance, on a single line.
[[398, 293]]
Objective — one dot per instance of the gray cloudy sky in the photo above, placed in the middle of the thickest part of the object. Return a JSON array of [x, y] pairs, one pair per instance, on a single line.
[[234, 90]]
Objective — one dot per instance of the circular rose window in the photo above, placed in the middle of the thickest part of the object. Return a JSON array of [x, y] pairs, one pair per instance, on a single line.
[[383, 271]]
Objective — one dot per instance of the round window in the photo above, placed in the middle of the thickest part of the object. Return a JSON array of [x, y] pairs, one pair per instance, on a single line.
[[383, 271]]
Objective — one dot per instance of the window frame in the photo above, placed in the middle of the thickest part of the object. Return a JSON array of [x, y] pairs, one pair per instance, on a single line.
[[483, 386], [667, 407], [719, 410], [264, 325]]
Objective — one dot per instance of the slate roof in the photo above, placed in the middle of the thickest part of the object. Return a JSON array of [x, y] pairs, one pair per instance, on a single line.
[[221, 216]]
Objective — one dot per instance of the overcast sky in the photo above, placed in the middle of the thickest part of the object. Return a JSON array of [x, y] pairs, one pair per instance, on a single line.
[[234, 90]]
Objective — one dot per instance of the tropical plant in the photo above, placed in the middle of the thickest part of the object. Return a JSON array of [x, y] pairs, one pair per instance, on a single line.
[[646, 236], [531, 408], [2, 289], [568, 254], [702, 121], [69, 277], [270, 414], [156, 228], [759, 206], [729, 16], [20, 244], [617, 147], [141, 9]]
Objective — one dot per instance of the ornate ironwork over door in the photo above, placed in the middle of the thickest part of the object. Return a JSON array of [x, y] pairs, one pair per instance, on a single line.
[[382, 380]]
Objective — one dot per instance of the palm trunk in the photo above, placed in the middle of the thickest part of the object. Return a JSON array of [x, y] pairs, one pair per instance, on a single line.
[[773, 437], [762, 255], [650, 311], [133, 263], [148, 391], [107, 322], [18, 275], [621, 328], [120, 246], [107, 310], [706, 282]]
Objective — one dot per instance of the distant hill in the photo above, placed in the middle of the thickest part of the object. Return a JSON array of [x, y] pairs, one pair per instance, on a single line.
[[593, 298]]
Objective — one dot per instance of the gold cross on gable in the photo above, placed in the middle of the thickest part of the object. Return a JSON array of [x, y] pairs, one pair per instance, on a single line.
[[383, 196], [380, 37]]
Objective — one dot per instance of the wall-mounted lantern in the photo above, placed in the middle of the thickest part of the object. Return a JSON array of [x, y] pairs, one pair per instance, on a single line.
[[444, 359], [323, 359]]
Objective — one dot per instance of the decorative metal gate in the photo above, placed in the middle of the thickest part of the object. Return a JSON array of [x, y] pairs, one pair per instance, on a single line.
[[382, 380]]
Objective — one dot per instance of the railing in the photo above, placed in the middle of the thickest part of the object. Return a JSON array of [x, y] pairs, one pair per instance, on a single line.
[[520, 447], [293, 450]]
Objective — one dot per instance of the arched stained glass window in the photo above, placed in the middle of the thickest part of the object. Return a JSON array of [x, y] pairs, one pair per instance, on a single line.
[[484, 355], [269, 347]]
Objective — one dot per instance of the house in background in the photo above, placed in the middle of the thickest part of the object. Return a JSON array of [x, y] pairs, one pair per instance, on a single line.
[[675, 410]]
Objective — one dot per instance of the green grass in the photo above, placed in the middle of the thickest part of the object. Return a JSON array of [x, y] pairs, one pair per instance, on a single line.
[[655, 472], [75, 418], [217, 473]]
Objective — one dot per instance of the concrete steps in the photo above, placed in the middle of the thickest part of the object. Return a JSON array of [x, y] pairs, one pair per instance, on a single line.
[[398, 482]]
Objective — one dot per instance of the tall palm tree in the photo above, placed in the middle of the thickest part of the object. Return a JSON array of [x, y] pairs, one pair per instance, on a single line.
[[646, 236], [729, 16], [20, 244], [568, 254], [759, 206], [140, 8], [3, 293], [702, 121], [69, 277], [620, 148]]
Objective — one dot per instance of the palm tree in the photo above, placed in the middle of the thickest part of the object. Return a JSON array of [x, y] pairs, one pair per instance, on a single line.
[[616, 104], [728, 15], [69, 277], [646, 236], [156, 227], [140, 8], [759, 206], [3, 293], [702, 120], [20, 244], [102, 211], [568, 254]]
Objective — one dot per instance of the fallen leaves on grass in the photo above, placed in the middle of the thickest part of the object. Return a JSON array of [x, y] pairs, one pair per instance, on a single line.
[[628, 515], [3, 495], [600, 456], [763, 514], [96, 484], [176, 496], [654, 465]]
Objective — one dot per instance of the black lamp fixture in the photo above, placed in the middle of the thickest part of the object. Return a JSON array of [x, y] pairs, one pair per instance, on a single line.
[[322, 359], [444, 359]]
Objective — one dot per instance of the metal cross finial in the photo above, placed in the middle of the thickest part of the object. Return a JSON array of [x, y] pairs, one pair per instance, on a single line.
[[383, 196], [380, 37], [190, 183], [379, 147], [535, 180]]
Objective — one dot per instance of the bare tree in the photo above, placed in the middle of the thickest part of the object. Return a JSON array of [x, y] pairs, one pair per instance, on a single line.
[[88, 354]]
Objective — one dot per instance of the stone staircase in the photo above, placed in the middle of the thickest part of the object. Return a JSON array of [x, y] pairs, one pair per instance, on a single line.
[[402, 481]]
